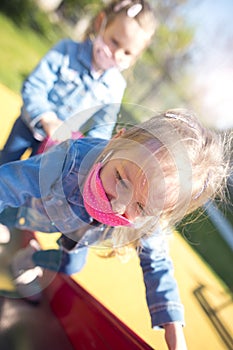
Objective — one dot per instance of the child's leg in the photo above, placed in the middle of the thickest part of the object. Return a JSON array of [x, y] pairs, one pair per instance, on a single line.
[[19, 141], [28, 264], [26, 275], [68, 262]]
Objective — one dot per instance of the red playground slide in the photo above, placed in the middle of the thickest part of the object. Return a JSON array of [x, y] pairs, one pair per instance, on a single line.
[[86, 322]]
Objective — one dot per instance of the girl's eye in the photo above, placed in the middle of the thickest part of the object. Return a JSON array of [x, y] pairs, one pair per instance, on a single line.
[[141, 208], [119, 178], [114, 42]]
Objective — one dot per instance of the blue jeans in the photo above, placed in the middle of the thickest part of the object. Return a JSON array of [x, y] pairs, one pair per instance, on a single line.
[[60, 261], [67, 259], [20, 139]]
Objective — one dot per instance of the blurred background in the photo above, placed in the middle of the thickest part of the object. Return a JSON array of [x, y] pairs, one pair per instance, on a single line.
[[189, 64]]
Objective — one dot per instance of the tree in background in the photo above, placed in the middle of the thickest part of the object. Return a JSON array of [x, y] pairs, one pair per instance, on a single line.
[[26, 13], [160, 78]]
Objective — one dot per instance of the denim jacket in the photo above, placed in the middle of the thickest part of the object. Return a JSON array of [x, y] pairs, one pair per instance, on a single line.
[[63, 83], [48, 190]]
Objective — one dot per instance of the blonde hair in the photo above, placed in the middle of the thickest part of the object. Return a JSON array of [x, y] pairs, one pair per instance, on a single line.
[[195, 163], [143, 15]]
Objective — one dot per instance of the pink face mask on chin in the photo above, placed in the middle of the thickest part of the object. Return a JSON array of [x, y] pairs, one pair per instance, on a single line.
[[102, 55], [96, 202]]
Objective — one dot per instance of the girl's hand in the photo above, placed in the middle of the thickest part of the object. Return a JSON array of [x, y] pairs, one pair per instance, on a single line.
[[174, 336], [54, 127]]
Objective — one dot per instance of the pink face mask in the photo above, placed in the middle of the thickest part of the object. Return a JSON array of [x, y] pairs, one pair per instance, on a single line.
[[102, 54], [96, 202]]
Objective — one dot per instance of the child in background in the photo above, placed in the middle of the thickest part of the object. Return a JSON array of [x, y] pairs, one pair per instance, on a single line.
[[82, 79], [129, 191]]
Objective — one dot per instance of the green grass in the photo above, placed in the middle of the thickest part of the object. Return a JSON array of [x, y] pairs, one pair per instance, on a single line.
[[21, 49], [205, 239]]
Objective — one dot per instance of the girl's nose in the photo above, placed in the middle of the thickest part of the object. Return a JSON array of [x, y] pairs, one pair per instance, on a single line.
[[118, 54], [124, 208], [123, 197], [118, 207], [130, 212]]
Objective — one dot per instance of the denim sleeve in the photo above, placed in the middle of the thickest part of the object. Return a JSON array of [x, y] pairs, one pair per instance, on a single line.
[[18, 181], [37, 86], [33, 177], [102, 123], [161, 287]]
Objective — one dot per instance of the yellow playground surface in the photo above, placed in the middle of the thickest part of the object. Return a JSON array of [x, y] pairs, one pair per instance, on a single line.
[[119, 286]]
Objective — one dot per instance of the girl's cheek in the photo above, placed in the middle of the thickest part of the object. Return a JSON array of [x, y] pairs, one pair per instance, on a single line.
[[110, 188]]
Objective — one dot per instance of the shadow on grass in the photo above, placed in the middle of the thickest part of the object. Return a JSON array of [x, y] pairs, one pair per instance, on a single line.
[[204, 238]]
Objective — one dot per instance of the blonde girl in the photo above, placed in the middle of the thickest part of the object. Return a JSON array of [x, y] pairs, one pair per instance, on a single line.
[[129, 191]]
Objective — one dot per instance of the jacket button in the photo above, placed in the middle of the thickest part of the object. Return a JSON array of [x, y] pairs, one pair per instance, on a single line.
[[22, 221]]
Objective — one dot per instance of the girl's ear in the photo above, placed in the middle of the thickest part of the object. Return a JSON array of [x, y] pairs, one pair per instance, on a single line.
[[119, 133], [100, 22]]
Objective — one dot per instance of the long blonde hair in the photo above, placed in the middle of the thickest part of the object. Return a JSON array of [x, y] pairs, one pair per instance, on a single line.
[[195, 163]]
